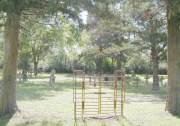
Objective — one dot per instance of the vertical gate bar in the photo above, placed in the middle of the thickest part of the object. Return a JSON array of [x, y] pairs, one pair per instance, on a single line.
[[73, 86], [124, 90], [75, 114], [90, 79], [82, 86], [94, 80], [84, 93], [115, 94], [82, 96], [122, 98], [100, 93]]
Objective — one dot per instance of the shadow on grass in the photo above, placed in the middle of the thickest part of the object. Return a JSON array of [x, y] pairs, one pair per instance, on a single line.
[[46, 76], [40, 77], [40, 90], [120, 121], [127, 122], [141, 88], [69, 75], [41, 123], [5, 120], [144, 89]]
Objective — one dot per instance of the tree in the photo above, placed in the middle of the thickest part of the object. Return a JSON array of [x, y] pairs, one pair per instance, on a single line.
[[154, 35], [14, 10], [24, 60], [119, 33], [67, 45], [12, 26], [40, 40], [173, 16], [151, 28]]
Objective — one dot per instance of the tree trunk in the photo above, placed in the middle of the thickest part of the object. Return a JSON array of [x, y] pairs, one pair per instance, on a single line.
[[119, 62], [173, 64], [155, 85], [99, 63], [8, 97], [35, 68]]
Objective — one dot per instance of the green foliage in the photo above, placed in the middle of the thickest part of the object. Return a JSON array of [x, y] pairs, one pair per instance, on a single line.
[[117, 31], [111, 38], [174, 5], [108, 65], [64, 42], [39, 7], [36, 41]]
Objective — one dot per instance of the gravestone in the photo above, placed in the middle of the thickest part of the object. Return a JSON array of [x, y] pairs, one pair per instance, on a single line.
[[30, 73], [19, 76], [147, 79], [24, 75], [52, 77]]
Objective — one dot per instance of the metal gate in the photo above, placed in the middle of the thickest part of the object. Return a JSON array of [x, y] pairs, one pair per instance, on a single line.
[[98, 96]]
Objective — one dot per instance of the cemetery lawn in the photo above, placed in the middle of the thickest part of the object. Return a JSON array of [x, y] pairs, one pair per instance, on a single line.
[[42, 105]]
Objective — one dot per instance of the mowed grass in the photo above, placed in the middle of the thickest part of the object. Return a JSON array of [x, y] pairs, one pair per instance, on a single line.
[[42, 105]]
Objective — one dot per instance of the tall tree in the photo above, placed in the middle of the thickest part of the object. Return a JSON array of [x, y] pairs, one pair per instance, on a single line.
[[39, 37], [14, 9], [173, 17], [109, 33], [12, 26], [150, 18], [154, 37]]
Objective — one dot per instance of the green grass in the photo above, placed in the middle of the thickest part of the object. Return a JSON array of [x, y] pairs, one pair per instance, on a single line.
[[42, 105]]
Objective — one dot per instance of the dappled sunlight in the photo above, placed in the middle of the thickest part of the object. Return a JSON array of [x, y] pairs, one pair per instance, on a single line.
[[41, 104], [89, 63], [149, 113]]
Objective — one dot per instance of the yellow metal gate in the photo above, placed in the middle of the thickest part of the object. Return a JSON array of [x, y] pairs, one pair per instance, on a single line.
[[98, 96]]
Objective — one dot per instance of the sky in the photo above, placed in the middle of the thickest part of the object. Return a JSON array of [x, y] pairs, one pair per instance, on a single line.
[[83, 16]]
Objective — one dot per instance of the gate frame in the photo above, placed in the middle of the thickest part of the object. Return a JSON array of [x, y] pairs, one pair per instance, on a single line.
[[119, 75]]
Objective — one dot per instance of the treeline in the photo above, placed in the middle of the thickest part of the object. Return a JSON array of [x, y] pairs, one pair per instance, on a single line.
[[107, 67]]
